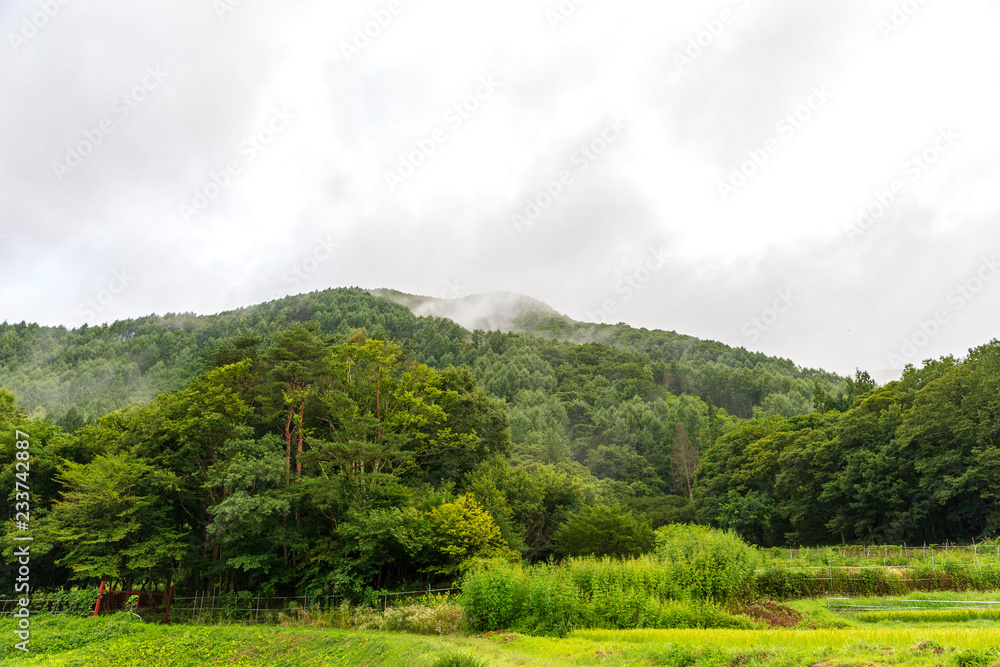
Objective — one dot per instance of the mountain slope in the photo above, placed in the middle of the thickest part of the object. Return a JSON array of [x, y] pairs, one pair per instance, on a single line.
[[497, 311], [100, 369]]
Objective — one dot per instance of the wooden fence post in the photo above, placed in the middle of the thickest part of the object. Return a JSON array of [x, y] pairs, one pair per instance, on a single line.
[[170, 595]]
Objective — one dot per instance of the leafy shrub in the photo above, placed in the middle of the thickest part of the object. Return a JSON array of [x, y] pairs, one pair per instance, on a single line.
[[458, 660], [553, 605], [462, 531], [584, 593], [706, 564], [972, 658], [77, 602], [494, 595], [603, 531], [238, 606]]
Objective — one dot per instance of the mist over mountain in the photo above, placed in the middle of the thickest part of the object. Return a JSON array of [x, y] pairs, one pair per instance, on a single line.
[[95, 370], [497, 311], [345, 409]]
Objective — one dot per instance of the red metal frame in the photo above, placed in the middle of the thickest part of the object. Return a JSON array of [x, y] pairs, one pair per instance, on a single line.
[[166, 615], [169, 594], [97, 607]]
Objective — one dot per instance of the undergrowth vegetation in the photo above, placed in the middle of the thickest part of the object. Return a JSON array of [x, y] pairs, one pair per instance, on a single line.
[[431, 615], [688, 582], [783, 582], [63, 641]]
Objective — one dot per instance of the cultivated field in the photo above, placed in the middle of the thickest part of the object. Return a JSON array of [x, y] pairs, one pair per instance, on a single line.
[[906, 636]]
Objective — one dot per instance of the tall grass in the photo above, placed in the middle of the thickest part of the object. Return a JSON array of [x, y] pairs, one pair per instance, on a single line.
[[707, 564], [685, 584], [585, 593], [432, 615], [784, 582]]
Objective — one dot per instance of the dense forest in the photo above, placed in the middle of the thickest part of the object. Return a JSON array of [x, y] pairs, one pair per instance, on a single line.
[[916, 461], [95, 370], [335, 442]]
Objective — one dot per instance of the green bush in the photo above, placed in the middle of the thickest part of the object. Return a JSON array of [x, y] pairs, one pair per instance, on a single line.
[[77, 602], [553, 605], [458, 660], [706, 564], [602, 593], [603, 531], [972, 658], [494, 594]]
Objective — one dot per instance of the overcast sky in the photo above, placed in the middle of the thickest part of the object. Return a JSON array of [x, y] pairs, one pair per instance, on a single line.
[[696, 167]]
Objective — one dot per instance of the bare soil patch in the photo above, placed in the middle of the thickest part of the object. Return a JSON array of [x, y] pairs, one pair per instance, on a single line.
[[774, 614]]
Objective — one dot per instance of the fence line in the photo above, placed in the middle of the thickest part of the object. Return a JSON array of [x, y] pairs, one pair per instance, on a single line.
[[921, 605], [884, 550], [255, 608], [946, 569]]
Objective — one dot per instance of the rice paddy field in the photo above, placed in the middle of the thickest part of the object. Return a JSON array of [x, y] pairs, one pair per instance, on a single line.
[[853, 607], [921, 629]]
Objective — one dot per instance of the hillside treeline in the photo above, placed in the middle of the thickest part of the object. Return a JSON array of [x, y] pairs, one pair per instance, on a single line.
[[334, 443], [916, 461], [79, 374], [309, 463]]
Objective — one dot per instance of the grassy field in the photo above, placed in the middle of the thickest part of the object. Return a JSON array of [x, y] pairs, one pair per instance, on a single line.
[[823, 638]]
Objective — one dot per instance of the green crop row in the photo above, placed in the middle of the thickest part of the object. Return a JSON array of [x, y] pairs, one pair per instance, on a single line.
[[789, 583]]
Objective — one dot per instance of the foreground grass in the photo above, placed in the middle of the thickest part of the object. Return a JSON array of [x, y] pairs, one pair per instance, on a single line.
[[116, 641]]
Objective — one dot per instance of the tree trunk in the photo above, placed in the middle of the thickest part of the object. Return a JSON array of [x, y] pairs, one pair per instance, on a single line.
[[301, 427], [288, 443]]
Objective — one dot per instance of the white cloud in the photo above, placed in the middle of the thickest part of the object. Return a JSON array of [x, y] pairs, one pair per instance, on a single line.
[[325, 175]]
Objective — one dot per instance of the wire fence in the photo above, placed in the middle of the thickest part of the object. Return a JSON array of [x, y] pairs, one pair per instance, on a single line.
[[846, 605], [886, 551], [210, 608]]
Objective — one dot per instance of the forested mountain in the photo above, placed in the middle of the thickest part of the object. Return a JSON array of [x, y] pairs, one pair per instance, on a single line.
[[916, 461], [335, 442], [94, 370]]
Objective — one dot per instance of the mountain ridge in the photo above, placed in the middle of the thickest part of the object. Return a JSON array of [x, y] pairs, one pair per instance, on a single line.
[[102, 368]]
